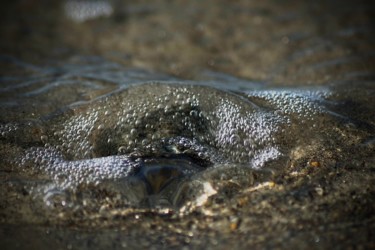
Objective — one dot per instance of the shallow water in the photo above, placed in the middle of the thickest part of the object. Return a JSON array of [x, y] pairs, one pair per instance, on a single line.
[[102, 139]]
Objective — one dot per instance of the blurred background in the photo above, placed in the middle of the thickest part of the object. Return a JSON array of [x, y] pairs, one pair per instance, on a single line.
[[286, 42]]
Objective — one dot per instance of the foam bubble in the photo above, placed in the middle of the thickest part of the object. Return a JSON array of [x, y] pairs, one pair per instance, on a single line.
[[240, 130], [108, 138]]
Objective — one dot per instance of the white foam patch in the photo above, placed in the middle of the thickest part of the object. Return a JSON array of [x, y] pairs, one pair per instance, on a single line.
[[303, 103], [220, 127], [263, 156], [242, 133], [75, 135], [70, 174]]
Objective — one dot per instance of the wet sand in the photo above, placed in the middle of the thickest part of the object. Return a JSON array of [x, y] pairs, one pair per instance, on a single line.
[[58, 70]]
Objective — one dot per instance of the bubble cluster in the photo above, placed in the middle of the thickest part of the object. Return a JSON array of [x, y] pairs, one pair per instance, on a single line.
[[301, 105], [68, 174], [104, 138], [27, 132], [7, 129], [245, 133], [139, 119]]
